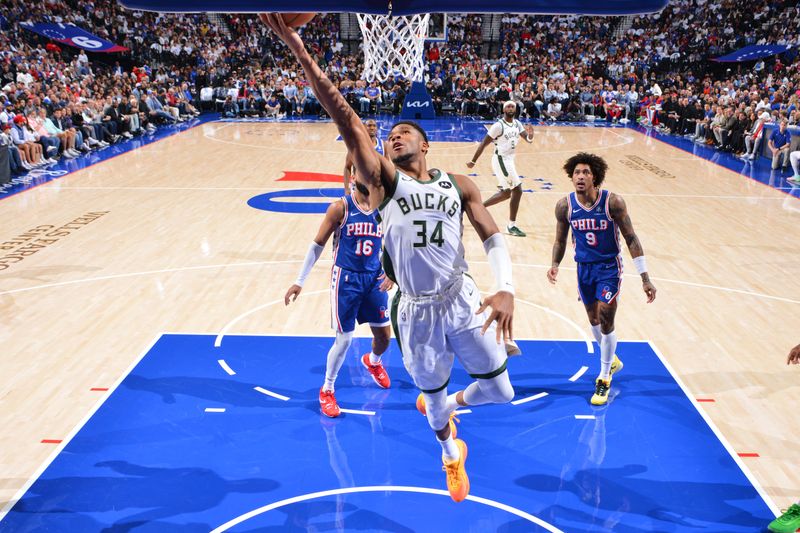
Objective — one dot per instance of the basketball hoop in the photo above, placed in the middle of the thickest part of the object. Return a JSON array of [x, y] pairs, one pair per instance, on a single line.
[[393, 46]]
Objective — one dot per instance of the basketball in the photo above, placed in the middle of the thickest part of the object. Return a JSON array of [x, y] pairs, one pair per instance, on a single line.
[[295, 20]]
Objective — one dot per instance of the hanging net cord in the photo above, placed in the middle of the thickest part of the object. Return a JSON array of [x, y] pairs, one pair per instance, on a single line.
[[393, 46]]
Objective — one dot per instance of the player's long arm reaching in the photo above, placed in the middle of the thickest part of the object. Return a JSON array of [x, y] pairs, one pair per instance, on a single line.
[[619, 212], [374, 170], [560, 244], [502, 301]]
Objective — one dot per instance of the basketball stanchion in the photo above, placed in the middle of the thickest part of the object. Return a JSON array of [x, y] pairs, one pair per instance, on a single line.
[[394, 46]]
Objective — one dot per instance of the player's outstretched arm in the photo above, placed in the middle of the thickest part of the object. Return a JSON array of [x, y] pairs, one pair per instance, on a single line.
[[560, 244], [487, 140], [372, 168], [347, 174], [333, 217], [619, 212], [502, 301]]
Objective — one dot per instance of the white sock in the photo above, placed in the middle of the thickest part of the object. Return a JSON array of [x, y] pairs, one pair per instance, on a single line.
[[374, 359], [512, 223], [451, 404], [608, 344], [449, 449], [336, 358], [597, 333]]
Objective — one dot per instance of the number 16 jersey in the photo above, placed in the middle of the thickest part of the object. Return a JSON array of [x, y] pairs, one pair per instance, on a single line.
[[594, 233], [358, 239], [422, 226]]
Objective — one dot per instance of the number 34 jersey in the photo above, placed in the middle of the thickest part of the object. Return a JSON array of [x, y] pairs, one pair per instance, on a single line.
[[422, 226], [358, 239], [594, 233]]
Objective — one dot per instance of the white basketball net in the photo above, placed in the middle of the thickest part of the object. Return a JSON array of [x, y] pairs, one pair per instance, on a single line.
[[393, 46]]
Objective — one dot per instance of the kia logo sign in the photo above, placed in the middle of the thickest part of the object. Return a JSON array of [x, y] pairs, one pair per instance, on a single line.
[[418, 104]]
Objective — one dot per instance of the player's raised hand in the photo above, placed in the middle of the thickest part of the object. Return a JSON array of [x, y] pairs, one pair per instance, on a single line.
[[287, 34], [649, 290], [292, 294], [794, 356], [502, 304], [552, 274], [386, 284]]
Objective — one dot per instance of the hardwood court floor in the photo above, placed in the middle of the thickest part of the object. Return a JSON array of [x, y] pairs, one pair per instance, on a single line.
[[162, 239]]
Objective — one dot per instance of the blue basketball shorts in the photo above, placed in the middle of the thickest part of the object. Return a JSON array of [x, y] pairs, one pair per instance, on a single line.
[[600, 281], [357, 296]]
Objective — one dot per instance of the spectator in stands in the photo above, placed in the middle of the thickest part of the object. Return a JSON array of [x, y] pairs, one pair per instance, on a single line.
[[157, 111], [586, 96], [113, 117], [371, 98], [15, 163], [66, 138], [129, 111], [272, 107], [779, 143], [50, 144], [469, 102], [553, 109], [613, 111], [230, 109], [30, 151], [398, 97], [290, 94], [310, 103]]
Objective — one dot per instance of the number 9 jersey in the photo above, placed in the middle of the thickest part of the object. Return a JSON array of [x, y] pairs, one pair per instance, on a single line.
[[594, 233]]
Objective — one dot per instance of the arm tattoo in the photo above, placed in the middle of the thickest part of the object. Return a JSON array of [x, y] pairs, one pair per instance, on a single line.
[[562, 228]]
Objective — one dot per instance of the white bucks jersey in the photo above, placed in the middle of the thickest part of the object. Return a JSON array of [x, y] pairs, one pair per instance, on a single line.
[[422, 227], [506, 136]]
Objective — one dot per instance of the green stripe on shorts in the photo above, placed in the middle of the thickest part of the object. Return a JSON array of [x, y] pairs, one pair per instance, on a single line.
[[493, 373], [502, 166], [393, 315], [434, 391]]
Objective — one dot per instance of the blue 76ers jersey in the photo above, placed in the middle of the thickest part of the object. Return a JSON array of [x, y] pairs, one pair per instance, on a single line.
[[379, 147], [594, 234], [358, 239]]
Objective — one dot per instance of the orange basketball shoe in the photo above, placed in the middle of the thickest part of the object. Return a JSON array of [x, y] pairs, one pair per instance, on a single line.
[[457, 479], [327, 403], [377, 372], [453, 419]]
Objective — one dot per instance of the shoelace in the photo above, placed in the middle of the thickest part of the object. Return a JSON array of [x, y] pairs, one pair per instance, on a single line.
[[452, 473], [602, 388], [792, 513]]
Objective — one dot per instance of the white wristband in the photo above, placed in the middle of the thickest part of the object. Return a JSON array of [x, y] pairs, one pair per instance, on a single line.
[[641, 264], [314, 251], [500, 262]]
